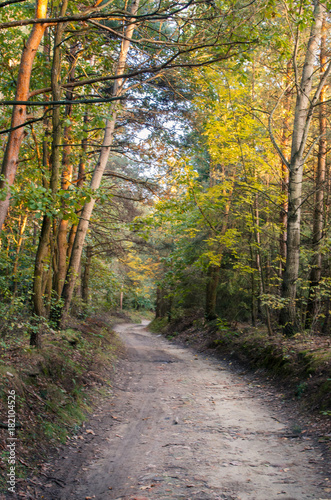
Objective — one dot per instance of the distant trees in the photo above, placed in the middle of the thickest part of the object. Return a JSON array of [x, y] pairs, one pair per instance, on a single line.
[[247, 113]]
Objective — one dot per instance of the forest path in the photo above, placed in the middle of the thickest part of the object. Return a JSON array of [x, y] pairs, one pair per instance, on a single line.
[[181, 426]]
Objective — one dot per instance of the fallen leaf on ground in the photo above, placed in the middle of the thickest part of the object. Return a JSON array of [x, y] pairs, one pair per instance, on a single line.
[[147, 487]]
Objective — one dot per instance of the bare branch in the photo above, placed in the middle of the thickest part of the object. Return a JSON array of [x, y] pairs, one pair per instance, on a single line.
[[30, 122], [273, 140], [115, 15], [166, 65], [8, 2], [57, 103]]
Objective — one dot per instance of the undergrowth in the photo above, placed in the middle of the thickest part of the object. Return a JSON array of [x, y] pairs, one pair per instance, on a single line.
[[55, 386]]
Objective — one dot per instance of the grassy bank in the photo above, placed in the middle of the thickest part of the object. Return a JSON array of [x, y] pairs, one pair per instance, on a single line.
[[55, 386]]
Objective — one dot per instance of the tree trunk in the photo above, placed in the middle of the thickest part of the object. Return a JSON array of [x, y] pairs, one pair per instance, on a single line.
[[80, 183], [62, 241], [18, 248], [315, 273], [256, 224], [10, 160], [43, 247], [41, 257], [262, 287], [253, 294], [86, 275], [302, 119], [284, 177], [98, 172], [213, 276]]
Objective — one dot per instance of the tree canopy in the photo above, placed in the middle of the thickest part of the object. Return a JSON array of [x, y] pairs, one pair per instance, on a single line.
[[166, 155]]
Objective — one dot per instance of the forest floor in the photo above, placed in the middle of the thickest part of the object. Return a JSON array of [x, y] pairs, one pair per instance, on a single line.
[[185, 425]]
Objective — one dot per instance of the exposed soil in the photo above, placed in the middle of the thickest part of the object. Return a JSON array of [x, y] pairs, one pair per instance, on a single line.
[[182, 426]]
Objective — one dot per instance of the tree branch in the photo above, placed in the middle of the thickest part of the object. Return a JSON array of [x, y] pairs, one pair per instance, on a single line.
[[30, 122], [166, 65], [57, 103], [115, 15], [3, 4], [273, 140]]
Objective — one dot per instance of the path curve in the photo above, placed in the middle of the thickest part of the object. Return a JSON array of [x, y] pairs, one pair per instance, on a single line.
[[181, 426]]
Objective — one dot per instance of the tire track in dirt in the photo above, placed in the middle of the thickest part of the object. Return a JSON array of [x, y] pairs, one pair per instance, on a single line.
[[183, 427]]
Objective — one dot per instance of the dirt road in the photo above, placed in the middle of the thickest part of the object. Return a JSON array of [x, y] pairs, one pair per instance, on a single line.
[[184, 427]]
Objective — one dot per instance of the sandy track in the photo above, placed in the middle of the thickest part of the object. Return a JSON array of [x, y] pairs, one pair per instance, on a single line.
[[183, 427]]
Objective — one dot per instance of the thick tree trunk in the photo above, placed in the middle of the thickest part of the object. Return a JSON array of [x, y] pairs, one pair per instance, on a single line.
[[10, 161], [98, 172], [302, 119], [318, 224]]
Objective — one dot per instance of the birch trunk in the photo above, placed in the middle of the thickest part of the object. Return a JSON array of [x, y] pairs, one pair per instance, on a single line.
[[98, 172], [318, 224], [302, 119]]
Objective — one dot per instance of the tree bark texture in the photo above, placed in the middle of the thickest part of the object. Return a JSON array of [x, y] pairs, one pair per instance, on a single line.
[[10, 161], [302, 119], [318, 222]]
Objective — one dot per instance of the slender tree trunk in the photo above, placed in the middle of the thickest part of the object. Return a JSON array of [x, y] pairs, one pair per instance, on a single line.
[[253, 301], [10, 161], [18, 248], [213, 272], [161, 307], [98, 172], [284, 177], [315, 274], [80, 183], [213, 276], [158, 303], [62, 242], [86, 275], [43, 248], [302, 119], [262, 287], [41, 257], [258, 260]]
